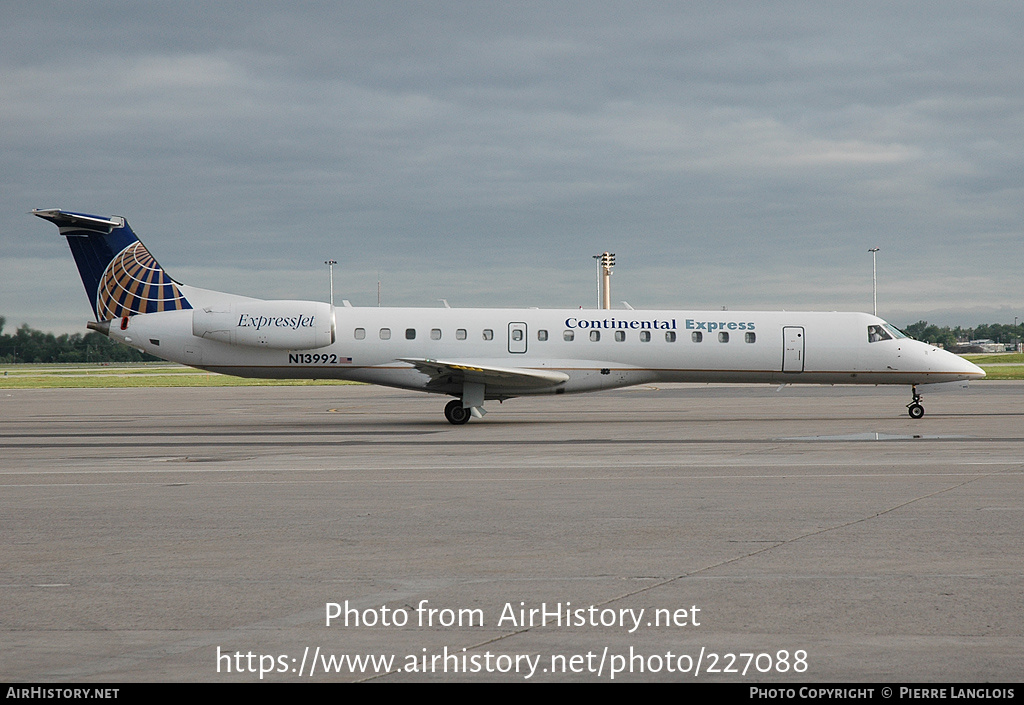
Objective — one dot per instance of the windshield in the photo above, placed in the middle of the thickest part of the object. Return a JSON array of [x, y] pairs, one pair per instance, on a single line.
[[896, 332]]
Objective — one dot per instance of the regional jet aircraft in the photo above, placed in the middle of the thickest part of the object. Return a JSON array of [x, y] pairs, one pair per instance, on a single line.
[[476, 355]]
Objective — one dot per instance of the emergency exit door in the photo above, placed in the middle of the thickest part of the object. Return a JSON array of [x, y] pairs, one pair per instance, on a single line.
[[517, 337]]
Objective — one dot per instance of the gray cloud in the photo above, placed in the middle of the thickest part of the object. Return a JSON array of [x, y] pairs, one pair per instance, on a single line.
[[744, 154]]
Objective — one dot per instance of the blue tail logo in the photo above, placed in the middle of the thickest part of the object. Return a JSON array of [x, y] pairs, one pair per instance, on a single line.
[[120, 276], [133, 283]]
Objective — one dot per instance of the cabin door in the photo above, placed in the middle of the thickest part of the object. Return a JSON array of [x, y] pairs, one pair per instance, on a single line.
[[517, 337], [793, 349]]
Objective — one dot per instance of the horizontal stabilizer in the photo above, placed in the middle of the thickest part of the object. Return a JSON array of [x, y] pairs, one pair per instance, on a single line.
[[66, 220]]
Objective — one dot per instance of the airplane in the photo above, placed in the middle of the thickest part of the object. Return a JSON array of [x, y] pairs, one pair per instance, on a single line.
[[479, 355]]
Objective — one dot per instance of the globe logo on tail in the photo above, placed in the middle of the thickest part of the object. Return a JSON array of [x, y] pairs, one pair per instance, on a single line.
[[133, 283]]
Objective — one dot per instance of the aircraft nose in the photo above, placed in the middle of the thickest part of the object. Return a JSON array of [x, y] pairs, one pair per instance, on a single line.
[[965, 368], [969, 368], [950, 364]]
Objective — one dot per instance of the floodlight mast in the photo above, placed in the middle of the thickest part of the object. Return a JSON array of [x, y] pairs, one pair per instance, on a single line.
[[330, 263], [874, 282], [607, 262]]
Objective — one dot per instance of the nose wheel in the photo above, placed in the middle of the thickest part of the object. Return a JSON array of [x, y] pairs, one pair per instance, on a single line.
[[914, 408]]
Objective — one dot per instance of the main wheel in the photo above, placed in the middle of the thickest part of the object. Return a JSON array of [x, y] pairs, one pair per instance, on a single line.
[[456, 413], [916, 411]]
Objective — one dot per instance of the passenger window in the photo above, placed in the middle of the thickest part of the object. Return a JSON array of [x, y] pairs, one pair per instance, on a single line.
[[488, 334], [542, 335], [460, 334], [410, 334], [670, 336], [360, 333], [750, 337], [595, 335], [697, 336], [435, 333], [723, 337], [568, 336], [645, 336], [620, 335], [385, 334], [517, 334]]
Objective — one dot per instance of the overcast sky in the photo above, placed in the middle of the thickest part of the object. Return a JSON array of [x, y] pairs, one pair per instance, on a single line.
[[737, 154]]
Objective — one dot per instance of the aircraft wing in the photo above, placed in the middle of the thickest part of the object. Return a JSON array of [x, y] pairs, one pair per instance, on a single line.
[[442, 371]]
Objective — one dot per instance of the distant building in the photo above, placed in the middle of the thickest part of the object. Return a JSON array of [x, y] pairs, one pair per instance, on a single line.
[[987, 345]]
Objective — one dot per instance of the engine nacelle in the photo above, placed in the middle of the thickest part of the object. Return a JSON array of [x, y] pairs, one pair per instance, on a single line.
[[279, 325]]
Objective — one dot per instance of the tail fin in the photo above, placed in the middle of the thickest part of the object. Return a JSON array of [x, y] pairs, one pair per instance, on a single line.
[[120, 276]]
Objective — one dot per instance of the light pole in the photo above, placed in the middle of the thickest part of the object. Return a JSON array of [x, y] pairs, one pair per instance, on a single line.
[[597, 301], [330, 263], [874, 282], [607, 262]]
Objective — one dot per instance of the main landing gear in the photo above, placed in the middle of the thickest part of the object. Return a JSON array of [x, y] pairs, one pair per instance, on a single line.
[[459, 411], [914, 408], [456, 413]]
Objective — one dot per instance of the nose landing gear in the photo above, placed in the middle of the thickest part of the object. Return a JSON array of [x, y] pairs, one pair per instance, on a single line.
[[914, 408]]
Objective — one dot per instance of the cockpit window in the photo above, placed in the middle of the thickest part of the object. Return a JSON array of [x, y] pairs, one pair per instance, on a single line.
[[876, 333], [884, 331]]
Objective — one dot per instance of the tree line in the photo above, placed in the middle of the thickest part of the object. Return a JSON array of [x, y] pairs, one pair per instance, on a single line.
[[29, 345], [958, 337]]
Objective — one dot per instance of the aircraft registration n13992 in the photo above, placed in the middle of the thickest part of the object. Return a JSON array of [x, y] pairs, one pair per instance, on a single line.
[[477, 355]]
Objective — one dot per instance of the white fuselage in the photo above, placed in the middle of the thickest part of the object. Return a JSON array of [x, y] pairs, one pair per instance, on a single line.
[[594, 349]]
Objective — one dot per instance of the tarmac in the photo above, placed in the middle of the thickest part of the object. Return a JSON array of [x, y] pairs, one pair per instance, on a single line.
[[694, 533]]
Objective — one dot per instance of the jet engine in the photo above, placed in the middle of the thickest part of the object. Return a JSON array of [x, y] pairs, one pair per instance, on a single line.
[[279, 325]]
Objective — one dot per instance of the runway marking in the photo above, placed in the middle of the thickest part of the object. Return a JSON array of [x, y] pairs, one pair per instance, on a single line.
[[450, 442], [447, 479], [355, 464], [874, 436]]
